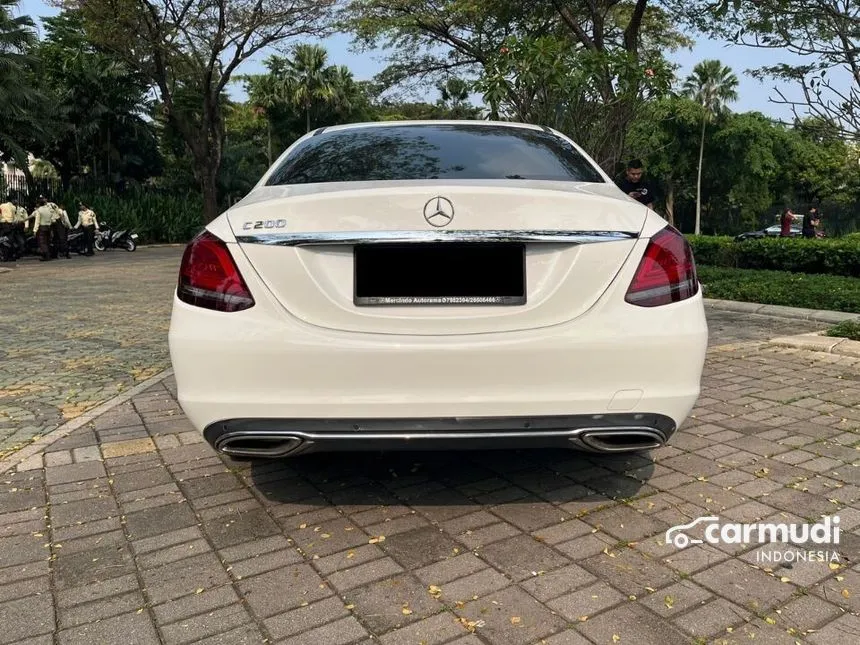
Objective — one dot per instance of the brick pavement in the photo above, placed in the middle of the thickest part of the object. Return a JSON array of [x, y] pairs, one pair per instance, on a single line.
[[131, 530], [77, 332]]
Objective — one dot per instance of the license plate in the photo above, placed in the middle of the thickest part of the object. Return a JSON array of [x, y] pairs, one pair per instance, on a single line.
[[440, 273]]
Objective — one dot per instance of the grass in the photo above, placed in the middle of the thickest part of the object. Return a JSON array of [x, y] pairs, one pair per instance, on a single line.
[[849, 329], [810, 291]]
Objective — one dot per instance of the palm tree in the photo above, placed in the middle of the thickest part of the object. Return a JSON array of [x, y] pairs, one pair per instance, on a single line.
[[711, 85], [310, 81], [454, 95]]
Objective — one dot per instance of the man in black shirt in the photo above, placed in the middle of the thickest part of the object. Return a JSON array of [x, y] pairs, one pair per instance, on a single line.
[[635, 186], [810, 221]]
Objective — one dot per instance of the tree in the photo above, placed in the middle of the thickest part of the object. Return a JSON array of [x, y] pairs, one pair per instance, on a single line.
[[711, 85], [100, 103], [664, 134], [21, 106], [825, 32], [454, 97], [303, 86], [195, 46], [308, 82], [606, 45]]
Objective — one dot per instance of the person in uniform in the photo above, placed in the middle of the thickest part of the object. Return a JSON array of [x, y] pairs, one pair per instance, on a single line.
[[43, 218], [8, 213], [60, 230], [21, 221], [87, 220]]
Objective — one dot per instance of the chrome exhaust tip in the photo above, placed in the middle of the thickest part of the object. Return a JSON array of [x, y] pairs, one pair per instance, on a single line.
[[241, 445], [622, 440]]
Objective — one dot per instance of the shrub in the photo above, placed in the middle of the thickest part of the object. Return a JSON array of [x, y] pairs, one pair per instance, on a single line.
[[849, 329], [839, 256], [827, 292], [155, 217]]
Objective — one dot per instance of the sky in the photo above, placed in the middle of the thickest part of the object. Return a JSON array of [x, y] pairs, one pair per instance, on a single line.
[[753, 94]]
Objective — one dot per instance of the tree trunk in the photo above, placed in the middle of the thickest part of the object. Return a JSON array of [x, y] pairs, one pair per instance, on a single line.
[[699, 181], [209, 187], [269, 139], [670, 201], [308, 118]]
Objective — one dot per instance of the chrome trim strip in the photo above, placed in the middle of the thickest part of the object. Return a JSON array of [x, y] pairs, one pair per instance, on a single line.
[[405, 237], [424, 436]]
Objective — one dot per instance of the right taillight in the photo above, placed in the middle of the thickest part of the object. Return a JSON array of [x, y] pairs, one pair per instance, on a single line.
[[666, 273], [209, 278]]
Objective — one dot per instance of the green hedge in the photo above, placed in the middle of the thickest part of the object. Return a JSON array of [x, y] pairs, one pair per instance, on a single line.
[[838, 256], [155, 217], [849, 329], [828, 292]]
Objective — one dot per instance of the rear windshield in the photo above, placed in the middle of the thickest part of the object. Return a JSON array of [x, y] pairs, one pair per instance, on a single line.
[[462, 151]]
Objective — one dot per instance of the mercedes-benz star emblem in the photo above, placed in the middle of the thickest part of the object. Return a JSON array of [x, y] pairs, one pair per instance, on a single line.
[[439, 211]]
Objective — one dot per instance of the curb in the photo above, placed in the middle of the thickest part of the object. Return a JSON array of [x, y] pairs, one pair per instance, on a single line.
[[818, 343], [67, 428], [779, 311]]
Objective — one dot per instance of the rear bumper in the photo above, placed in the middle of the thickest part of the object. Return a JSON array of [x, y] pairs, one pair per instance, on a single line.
[[593, 433], [262, 366]]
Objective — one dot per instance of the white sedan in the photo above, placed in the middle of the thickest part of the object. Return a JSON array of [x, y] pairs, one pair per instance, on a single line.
[[441, 285]]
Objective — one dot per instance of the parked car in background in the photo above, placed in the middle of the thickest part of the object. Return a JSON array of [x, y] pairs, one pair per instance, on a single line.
[[770, 231]]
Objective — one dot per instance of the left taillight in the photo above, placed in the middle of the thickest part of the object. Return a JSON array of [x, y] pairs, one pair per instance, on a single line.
[[209, 278]]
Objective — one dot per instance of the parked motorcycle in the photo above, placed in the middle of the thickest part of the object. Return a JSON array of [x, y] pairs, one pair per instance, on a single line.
[[107, 238], [7, 248]]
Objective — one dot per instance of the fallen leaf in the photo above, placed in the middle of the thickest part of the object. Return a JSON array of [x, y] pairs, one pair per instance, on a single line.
[[350, 555], [846, 593], [516, 620], [325, 536], [770, 620], [376, 540], [785, 579], [199, 590], [434, 591], [650, 589], [350, 606], [670, 602], [615, 638], [834, 566], [583, 618], [840, 578], [406, 611], [303, 526]]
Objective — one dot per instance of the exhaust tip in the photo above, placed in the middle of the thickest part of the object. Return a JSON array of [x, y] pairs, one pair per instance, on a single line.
[[258, 446], [622, 440]]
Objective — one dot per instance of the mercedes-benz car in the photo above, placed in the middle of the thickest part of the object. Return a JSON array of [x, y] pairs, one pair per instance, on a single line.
[[437, 285]]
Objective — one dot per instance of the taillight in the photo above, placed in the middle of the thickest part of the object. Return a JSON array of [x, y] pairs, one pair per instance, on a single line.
[[209, 278], [666, 273]]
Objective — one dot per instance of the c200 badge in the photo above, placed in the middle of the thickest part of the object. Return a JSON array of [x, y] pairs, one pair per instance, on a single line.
[[264, 223]]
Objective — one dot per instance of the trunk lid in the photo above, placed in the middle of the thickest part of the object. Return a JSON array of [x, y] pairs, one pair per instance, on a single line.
[[315, 283]]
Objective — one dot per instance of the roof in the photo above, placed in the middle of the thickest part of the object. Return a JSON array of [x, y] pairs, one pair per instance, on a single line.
[[479, 122]]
